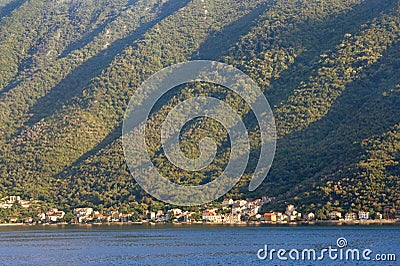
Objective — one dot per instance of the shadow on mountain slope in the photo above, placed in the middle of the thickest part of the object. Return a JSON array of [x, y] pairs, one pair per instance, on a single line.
[[318, 150], [325, 37], [219, 42], [83, 74], [90, 36], [7, 9]]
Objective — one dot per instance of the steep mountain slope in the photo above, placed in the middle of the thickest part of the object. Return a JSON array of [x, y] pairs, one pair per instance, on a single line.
[[329, 69]]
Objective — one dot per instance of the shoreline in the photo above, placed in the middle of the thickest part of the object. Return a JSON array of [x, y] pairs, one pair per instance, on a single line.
[[362, 222], [300, 223]]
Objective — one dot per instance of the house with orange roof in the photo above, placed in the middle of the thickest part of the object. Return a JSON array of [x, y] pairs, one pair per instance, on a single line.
[[270, 217], [334, 215], [211, 217]]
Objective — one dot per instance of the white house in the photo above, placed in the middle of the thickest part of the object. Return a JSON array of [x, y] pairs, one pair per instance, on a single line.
[[175, 212], [53, 215], [211, 217], [14, 199], [227, 202], [351, 216], [363, 215], [232, 218], [82, 212], [239, 203], [335, 215], [309, 216]]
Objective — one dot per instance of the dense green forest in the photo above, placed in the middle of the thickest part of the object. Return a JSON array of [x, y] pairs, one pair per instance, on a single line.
[[329, 68]]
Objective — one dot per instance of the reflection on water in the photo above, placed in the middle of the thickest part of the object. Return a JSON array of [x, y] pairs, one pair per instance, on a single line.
[[183, 245]]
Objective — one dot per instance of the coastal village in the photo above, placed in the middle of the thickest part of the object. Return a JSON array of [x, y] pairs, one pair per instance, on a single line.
[[229, 211]]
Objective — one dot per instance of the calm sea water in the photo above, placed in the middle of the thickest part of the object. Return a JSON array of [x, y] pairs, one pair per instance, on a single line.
[[183, 245]]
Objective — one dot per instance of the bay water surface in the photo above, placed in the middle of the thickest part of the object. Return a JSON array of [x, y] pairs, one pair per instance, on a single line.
[[189, 244]]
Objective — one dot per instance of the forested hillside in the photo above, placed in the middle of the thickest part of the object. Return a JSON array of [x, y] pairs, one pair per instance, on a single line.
[[329, 68]]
